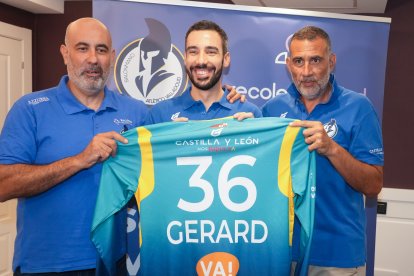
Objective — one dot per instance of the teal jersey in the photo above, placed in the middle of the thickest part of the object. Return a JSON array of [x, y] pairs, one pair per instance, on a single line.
[[215, 197]]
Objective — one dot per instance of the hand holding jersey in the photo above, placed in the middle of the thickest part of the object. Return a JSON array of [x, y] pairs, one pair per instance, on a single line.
[[100, 148]]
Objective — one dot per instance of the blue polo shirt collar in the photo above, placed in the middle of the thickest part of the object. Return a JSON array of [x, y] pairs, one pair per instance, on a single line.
[[71, 105], [188, 101]]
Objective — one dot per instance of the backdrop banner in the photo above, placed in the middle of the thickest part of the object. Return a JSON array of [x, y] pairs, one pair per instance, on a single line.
[[148, 37]]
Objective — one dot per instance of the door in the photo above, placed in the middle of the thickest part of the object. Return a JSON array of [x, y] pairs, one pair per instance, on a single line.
[[15, 80]]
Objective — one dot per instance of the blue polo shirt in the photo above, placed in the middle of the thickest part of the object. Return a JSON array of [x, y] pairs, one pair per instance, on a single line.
[[350, 119], [186, 106], [43, 127]]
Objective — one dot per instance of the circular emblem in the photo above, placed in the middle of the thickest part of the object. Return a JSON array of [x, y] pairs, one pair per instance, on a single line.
[[331, 128], [150, 74]]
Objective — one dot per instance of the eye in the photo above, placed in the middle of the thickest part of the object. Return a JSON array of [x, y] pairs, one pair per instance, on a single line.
[[298, 61], [192, 51], [212, 52], [82, 48], [316, 60], [102, 50]]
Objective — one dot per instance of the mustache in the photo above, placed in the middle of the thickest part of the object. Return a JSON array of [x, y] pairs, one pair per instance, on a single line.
[[202, 66], [308, 79], [95, 68]]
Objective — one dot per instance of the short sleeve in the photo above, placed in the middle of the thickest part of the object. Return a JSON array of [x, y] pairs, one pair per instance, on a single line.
[[18, 136]]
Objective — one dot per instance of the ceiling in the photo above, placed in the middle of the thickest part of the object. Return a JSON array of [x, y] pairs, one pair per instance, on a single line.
[[336, 6]]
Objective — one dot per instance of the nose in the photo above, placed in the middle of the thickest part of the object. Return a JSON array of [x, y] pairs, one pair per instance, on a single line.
[[92, 56], [307, 69], [201, 58]]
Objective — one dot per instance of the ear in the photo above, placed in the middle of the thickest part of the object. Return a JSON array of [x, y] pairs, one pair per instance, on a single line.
[[332, 61], [288, 63], [64, 52], [226, 60]]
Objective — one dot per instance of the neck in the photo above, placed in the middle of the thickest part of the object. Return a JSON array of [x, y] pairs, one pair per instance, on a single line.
[[324, 98], [207, 97], [92, 100]]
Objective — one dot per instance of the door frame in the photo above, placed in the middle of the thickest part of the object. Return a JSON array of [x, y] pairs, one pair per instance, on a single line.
[[25, 36]]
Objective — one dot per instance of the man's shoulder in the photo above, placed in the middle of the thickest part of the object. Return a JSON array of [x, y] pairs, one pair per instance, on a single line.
[[126, 99], [354, 98], [280, 99], [37, 97], [165, 104], [248, 107], [165, 111]]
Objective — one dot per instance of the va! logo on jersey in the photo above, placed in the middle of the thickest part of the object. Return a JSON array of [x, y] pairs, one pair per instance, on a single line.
[[331, 128], [151, 69]]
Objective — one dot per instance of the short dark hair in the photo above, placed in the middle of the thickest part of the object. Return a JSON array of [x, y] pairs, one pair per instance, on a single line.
[[311, 33], [211, 26]]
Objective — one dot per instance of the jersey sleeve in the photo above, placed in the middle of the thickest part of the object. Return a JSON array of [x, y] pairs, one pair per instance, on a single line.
[[303, 165], [366, 144], [115, 190]]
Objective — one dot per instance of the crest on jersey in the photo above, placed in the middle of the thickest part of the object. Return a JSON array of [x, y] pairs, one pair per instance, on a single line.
[[217, 129], [331, 128], [151, 69]]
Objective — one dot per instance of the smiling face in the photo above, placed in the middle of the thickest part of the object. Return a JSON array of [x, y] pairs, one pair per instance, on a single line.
[[88, 56], [205, 58], [310, 64]]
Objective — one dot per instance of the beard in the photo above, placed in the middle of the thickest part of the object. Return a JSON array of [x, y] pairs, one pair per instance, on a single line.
[[314, 92], [213, 80], [89, 84]]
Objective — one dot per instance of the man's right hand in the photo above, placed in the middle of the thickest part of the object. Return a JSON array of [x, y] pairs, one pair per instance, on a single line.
[[100, 148]]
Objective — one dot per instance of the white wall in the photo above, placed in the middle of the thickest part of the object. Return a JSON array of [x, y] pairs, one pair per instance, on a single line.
[[395, 234]]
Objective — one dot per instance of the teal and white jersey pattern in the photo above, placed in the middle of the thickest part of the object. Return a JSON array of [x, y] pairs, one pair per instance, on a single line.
[[215, 197]]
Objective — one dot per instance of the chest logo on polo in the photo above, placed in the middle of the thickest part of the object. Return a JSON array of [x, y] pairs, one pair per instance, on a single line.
[[175, 116], [125, 124], [331, 128], [151, 69]]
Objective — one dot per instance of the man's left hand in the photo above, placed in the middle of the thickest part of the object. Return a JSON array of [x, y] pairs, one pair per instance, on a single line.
[[316, 137], [240, 116]]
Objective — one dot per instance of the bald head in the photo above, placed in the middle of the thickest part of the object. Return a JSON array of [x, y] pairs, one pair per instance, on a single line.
[[86, 24]]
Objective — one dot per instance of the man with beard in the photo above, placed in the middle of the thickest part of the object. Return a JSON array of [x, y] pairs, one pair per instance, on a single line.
[[51, 149], [343, 128], [206, 54]]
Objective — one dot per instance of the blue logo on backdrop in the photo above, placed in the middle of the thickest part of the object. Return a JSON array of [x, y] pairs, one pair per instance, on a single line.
[[151, 69]]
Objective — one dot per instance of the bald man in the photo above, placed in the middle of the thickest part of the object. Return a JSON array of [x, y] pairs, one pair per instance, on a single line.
[[52, 147]]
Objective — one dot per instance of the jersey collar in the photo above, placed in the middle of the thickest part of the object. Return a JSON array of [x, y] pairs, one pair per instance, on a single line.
[[188, 101], [71, 105]]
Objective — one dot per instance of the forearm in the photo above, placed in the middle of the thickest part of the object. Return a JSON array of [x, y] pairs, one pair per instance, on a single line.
[[365, 178], [21, 180]]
